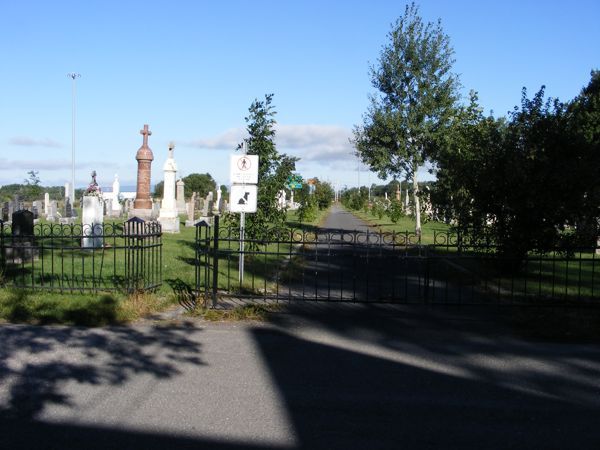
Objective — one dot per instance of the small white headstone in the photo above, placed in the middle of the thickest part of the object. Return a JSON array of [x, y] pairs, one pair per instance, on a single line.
[[92, 221], [46, 203]]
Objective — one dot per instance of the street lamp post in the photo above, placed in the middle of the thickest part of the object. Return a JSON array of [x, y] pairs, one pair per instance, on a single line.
[[71, 194]]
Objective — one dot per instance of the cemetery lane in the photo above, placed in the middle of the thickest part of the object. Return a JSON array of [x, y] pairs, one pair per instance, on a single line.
[[342, 219]]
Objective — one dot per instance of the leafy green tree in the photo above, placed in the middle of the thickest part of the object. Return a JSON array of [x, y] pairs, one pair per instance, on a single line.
[[158, 189], [307, 211], [581, 169], [417, 94], [354, 198], [521, 182], [202, 183], [273, 168], [323, 193], [32, 189]]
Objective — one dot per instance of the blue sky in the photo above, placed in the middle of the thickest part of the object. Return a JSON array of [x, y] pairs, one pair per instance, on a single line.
[[190, 69]]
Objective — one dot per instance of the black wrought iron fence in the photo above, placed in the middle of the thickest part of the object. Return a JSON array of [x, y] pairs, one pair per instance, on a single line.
[[110, 257], [338, 265]]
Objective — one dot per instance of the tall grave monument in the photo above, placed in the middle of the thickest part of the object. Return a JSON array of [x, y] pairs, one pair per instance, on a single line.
[[142, 207], [169, 217]]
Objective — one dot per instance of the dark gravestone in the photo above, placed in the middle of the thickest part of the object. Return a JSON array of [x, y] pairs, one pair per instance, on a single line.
[[5, 216], [22, 237], [68, 208], [22, 223]]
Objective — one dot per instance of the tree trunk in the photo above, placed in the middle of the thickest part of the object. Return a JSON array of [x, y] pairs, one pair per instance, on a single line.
[[417, 202]]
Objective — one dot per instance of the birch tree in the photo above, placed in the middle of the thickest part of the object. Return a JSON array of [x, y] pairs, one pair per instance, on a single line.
[[415, 99]]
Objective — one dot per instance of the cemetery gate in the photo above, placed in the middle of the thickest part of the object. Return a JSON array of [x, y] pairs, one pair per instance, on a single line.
[[314, 264]]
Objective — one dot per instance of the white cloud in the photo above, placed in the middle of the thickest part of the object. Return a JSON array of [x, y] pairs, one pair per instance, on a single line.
[[228, 140], [49, 164], [31, 142], [325, 143]]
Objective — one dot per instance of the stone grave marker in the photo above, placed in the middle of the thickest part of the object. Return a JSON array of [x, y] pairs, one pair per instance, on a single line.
[[52, 211], [23, 239], [180, 188], [92, 221], [46, 203]]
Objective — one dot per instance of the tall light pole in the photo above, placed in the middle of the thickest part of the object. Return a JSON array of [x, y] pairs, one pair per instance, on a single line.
[[73, 76]]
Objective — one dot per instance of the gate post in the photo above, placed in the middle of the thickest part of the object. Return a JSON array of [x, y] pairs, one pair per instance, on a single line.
[[215, 255]]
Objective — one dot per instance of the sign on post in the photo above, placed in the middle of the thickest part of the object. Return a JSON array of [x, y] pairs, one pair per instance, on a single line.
[[243, 198], [243, 169], [294, 181]]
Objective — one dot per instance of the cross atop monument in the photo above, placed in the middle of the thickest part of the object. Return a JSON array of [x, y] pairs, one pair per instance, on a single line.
[[171, 148], [145, 132]]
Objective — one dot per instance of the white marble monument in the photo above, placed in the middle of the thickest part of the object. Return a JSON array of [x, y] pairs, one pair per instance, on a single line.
[[115, 210], [168, 216]]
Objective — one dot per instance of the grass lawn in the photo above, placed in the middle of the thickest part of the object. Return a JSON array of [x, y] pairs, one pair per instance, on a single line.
[[405, 225]]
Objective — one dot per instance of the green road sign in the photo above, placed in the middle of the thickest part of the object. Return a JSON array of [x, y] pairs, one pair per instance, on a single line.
[[294, 181]]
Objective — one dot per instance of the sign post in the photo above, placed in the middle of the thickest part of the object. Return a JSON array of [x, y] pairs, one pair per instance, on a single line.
[[243, 175]]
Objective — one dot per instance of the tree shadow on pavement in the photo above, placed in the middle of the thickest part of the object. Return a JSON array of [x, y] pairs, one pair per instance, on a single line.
[[36, 362], [373, 378]]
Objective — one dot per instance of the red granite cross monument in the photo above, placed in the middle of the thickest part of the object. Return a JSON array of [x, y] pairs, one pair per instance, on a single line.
[[144, 158]]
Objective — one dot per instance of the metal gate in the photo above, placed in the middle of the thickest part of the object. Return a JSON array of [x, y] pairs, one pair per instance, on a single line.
[[314, 264]]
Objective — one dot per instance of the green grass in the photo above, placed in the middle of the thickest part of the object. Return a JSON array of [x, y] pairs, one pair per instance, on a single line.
[[37, 307], [404, 225]]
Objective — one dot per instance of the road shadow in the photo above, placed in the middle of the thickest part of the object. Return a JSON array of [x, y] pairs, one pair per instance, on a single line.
[[424, 381]]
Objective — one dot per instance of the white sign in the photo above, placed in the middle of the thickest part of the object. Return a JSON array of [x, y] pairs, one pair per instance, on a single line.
[[243, 198], [243, 169]]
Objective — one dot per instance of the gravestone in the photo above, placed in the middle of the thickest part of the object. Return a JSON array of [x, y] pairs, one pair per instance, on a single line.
[[37, 208], [168, 215], [217, 205], [180, 188], [143, 207], [11, 209], [68, 192], [208, 205], [115, 208], [5, 215], [22, 248], [92, 221], [67, 216], [191, 212], [46, 202], [281, 201], [107, 206], [22, 223], [52, 211]]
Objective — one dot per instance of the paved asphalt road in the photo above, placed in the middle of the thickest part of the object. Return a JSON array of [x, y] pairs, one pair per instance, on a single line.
[[337, 376], [339, 218], [313, 377]]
